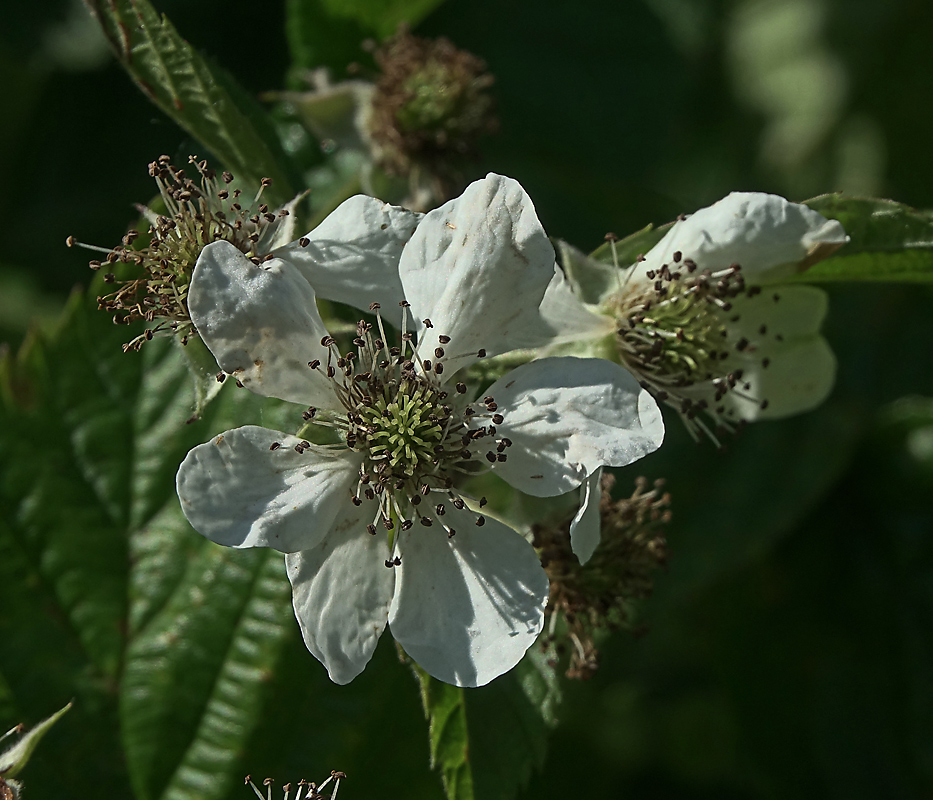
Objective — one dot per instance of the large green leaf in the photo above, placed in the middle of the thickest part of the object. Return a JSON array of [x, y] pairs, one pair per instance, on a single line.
[[890, 241], [106, 594], [487, 742], [201, 97]]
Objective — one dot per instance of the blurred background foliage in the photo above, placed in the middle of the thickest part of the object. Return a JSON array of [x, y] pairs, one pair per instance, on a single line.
[[789, 646]]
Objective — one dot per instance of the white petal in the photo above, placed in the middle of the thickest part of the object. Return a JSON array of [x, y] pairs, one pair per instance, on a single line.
[[567, 316], [238, 492], [478, 268], [467, 608], [261, 324], [586, 527], [567, 417], [767, 235], [341, 591], [352, 256], [783, 312], [799, 376]]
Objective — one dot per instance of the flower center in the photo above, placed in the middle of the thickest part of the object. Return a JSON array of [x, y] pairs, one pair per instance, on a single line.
[[675, 334], [418, 435], [406, 429]]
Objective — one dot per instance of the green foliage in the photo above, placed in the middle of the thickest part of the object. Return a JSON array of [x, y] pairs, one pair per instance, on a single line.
[[329, 33], [890, 241], [201, 97], [107, 594], [487, 742]]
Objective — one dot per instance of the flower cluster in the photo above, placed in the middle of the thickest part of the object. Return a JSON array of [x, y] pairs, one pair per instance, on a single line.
[[370, 499], [377, 524]]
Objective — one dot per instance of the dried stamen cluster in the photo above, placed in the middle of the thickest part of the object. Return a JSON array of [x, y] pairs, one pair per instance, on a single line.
[[198, 211], [431, 103], [598, 595], [418, 434], [304, 790], [676, 335]]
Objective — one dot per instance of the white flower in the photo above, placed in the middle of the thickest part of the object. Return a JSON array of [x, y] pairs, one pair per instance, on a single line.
[[374, 527], [701, 324]]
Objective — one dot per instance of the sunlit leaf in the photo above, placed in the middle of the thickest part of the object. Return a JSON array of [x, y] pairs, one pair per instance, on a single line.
[[890, 241], [200, 96]]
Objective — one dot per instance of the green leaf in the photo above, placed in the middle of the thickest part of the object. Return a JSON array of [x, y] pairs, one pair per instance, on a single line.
[[486, 742], [201, 97], [329, 33], [445, 710], [106, 594], [890, 241]]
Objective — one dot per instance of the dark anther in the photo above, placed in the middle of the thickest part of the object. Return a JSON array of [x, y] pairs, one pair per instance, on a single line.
[[461, 388], [371, 529], [765, 362], [221, 377], [406, 525], [677, 256], [396, 562], [426, 521], [314, 364], [482, 502], [438, 368], [451, 533], [481, 353], [498, 419], [741, 344], [443, 339], [356, 500], [427, 323], [427, 365], [458, 503], [374, 306], [439, 509], [389, 564], [275, 445], [480, 521], [491, 457], [438, 352]]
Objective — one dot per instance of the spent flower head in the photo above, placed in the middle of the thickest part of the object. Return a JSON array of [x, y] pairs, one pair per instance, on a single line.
[[377, 525], [199, 208], [431, 104], [598, 594], [302, 790]]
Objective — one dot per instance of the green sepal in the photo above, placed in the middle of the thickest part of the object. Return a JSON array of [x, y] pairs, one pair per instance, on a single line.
[[14, 758]]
